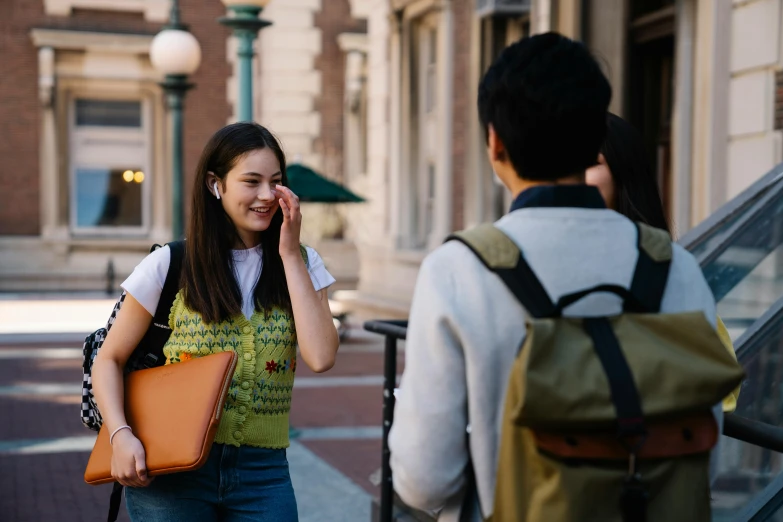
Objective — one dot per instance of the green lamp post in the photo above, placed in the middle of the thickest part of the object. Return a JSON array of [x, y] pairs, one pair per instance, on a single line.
[[243, 19], [176, 53]]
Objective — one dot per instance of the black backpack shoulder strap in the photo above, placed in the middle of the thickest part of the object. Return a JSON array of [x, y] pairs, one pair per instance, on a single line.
[[652, 268], [502, 256], [171, 286], [149, 353]]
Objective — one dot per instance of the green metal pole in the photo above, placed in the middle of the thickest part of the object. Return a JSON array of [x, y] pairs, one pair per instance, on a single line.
[[175, 86], [175, 99], [245, 105], [246, 24]]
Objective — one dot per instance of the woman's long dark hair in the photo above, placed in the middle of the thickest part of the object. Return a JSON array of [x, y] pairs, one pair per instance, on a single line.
[[208, 281], [636, 191]]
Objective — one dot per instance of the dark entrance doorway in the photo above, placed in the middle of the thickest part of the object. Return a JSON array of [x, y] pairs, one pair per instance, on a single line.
[[650, 95]]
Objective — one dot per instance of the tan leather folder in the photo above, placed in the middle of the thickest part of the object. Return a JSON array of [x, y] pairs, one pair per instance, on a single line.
[[174, 411]]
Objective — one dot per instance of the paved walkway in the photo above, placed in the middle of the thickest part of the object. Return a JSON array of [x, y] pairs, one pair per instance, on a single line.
[[44, 447]]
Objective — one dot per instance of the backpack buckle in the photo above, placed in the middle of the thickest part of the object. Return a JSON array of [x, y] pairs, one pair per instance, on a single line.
[[633, 499], [149, 361], [632, 434]]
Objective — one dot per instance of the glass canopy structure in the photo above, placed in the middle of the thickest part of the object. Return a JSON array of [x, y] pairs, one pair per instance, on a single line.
[[740, 250]]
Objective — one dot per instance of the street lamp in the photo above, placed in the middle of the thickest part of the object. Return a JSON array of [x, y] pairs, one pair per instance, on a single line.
[[176, 53], [243, 19]]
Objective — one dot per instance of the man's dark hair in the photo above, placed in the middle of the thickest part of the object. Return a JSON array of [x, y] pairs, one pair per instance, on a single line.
[[547, 99]]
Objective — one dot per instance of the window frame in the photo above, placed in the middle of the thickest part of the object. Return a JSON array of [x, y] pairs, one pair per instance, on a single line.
[[75, 134], [404, 125], [153, 10], [425, 114]]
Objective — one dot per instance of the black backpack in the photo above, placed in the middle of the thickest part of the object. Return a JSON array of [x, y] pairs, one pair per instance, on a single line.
[[149, 352]]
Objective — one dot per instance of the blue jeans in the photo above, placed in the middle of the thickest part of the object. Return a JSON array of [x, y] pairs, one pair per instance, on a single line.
[[242, 484]]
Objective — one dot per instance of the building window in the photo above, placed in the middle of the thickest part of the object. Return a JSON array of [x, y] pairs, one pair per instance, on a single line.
[[425, 112], [108, 197], [103, 113], [497, 33], [109, 167]]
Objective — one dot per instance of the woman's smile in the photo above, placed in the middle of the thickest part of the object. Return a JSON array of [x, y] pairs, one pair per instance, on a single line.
[[262, 211]]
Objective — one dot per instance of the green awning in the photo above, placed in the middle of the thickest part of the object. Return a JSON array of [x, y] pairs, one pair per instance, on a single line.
[[314, 188]]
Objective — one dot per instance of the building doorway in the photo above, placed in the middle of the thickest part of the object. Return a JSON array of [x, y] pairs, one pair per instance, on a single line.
[[650, 95]]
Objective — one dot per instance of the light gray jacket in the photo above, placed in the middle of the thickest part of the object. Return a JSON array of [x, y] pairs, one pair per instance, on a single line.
[[465, 328]]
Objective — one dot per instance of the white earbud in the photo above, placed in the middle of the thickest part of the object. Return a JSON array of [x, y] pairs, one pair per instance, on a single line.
[[217, 194]]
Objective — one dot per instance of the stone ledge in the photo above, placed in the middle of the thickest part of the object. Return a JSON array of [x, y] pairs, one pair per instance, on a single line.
[[153, 10], [368, 307], [92, 41]]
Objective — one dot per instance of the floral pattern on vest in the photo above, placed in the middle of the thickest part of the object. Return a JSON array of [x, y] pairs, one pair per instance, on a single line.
[[259, 397]]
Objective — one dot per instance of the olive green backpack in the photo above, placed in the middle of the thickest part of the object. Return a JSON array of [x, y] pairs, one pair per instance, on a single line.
[[607, 419]]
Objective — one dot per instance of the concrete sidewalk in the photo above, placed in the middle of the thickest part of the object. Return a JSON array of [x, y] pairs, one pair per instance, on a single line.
[[43, 320], [57, 318], [56, 315]]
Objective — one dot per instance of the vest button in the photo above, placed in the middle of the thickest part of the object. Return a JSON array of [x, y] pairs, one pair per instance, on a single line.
[[238, 435], [245, 385], [242, 410], [248, 356], [246, 329]]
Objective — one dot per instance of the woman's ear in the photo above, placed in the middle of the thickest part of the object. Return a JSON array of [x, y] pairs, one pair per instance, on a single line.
[[212, 184]]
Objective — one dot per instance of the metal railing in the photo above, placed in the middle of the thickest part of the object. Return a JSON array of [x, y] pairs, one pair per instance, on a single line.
[[393, 331]]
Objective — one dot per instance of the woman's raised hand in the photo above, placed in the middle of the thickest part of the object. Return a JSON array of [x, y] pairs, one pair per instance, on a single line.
[[292, 222]]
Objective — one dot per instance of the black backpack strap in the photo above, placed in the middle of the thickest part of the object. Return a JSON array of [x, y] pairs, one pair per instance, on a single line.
[[649, 277], [652, 268], [171, 286], [631, 430], [149, 353], [114, 502], [502, 256]]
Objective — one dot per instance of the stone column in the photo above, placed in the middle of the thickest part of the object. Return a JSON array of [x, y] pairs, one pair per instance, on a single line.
[[50, 180], [710, 107], [682, 119]]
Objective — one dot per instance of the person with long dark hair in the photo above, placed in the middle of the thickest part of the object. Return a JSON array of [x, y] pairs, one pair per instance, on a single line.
[[628, 185], [624, 177], [247, 285]]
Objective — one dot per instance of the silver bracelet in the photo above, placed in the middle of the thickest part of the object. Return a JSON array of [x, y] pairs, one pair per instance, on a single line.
[[111, 438]]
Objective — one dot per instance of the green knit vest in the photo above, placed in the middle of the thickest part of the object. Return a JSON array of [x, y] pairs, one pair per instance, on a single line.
[[259, 399]]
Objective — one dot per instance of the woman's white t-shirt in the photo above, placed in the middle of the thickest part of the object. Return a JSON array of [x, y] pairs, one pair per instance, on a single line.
[[145, 284]]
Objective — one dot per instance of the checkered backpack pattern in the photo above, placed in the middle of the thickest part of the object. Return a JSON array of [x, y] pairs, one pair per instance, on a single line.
[[149, 352], [91, 417]]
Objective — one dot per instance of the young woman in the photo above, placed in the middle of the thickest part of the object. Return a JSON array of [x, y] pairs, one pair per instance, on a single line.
[[247, 285], [624, 177], [628, 186]]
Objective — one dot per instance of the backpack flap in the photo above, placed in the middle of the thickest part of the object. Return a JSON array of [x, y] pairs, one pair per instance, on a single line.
[[677, 361]]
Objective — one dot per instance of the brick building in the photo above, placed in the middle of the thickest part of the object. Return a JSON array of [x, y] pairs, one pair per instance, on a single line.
[[87, 174], [700, 78]]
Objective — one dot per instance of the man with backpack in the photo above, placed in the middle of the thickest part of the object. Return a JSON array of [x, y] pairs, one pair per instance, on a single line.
[[561, 364]]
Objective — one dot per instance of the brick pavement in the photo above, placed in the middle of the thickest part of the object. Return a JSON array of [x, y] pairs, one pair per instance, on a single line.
[[49, 487]]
